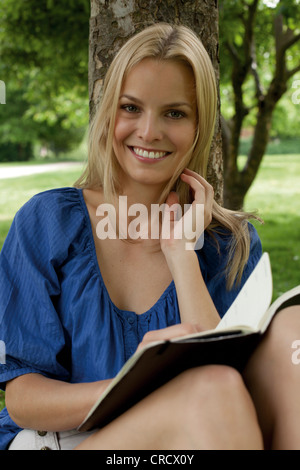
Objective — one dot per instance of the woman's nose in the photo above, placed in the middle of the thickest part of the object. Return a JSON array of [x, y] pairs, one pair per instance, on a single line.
[[149, 128]]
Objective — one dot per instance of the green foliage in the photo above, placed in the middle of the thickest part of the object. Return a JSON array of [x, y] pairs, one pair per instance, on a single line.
[[232, 25], [44, 64], [286, 117], [59, 125], [51, 36], [10, 152], [16, 133]]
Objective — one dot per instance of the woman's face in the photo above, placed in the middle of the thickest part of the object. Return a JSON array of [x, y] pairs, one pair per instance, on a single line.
[[156, 121]]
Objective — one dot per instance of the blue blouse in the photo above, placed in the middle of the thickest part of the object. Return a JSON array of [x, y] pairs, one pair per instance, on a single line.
[[56, 316]]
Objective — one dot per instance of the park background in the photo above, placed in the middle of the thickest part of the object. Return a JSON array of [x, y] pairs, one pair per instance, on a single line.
[[44, 66]]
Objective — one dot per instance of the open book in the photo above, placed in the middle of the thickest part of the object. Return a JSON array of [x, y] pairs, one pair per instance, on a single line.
[[230, 343]]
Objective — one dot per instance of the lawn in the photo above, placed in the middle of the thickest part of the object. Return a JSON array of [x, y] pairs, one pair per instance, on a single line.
[[275, 194], [14, 192]]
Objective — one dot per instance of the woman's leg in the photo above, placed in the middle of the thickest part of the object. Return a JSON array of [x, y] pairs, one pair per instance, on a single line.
[[273, 379], [203, 408]]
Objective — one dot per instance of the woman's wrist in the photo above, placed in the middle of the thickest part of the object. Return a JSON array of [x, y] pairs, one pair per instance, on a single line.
[[195, 303], [179, 261]]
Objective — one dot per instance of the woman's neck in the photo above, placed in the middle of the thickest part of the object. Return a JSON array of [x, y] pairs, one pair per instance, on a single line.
[[139, 211], [142, 194]]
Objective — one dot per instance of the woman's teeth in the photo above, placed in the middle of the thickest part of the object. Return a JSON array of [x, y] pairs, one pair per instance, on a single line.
[[146, 154]]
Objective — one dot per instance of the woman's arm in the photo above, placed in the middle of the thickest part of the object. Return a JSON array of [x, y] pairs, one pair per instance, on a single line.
[[194, 300], [37, 402], [195, 303]]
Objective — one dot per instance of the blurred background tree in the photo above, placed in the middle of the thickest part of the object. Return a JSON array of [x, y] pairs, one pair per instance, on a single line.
[[260, 56], [44, 64]]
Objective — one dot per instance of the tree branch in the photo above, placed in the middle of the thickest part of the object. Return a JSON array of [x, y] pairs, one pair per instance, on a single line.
[[283, 40], [292, 72], [258, 85], [278, 28], [249, 29], [292, 40], [232, 50]]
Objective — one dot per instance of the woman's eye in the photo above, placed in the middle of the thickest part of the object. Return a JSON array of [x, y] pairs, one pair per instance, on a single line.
[[175, 114], [130, 108]]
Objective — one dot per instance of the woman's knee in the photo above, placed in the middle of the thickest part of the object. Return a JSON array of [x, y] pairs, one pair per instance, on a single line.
[[213, 383], [216, 398]]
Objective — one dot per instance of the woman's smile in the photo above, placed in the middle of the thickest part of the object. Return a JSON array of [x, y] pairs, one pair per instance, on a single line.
[[149, 155]]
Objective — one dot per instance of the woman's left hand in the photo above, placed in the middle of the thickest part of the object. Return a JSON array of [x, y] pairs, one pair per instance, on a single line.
[[169, 333], [195, 303], [187, 231]]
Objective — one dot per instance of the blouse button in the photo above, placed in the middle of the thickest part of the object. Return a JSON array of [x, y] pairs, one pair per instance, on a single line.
[[42, 433], [45, 448], [130, 320]]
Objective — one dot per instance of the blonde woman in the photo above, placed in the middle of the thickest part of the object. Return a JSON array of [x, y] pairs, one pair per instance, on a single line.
[[79, 296]]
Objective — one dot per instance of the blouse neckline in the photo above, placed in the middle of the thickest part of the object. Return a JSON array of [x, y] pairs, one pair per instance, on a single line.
[[91, 241]]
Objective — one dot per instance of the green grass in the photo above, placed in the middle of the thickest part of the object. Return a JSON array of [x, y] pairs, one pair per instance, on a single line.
[[276, 146], [14, 192], [2, 398], [275, 194]]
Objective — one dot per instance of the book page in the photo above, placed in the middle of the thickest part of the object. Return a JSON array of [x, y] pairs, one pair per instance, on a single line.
[[253, 300]]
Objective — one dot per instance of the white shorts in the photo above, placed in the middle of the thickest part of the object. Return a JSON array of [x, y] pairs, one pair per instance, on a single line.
[[28, 439]]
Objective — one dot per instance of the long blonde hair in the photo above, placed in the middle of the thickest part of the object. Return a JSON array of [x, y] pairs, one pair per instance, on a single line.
[[177, 43]]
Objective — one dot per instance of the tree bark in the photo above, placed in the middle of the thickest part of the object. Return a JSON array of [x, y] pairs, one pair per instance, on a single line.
[[113, 22]]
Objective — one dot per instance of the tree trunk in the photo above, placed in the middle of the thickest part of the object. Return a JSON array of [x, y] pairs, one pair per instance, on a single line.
[[113, 22], [238, 182]]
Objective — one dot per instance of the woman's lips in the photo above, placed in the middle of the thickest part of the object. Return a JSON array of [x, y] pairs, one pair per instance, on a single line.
[[149, 156]]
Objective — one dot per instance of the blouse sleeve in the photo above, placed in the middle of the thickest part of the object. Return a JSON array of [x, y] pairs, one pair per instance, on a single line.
[[30, 328]]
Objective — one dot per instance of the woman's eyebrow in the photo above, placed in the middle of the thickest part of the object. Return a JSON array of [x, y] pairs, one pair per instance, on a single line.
[[131, 98], [171, 105], [178, 104]]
